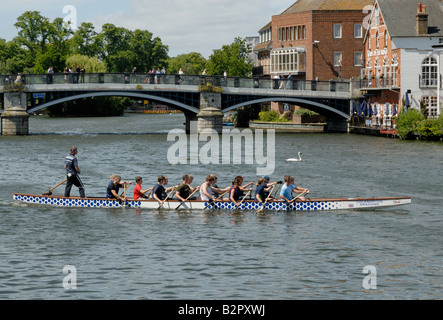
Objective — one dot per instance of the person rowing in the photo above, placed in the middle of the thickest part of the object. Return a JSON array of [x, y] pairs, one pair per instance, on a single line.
[[237, 191], [159, 191], [113, 188], [208, 192], [184, 190], [139, 193], [262, 192], [288, 188], [268, 184]]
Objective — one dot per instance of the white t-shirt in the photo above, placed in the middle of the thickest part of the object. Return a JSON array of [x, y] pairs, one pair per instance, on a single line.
[[208, 190]]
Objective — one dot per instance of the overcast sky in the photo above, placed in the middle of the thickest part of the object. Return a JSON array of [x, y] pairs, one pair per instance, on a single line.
[[184, 25]]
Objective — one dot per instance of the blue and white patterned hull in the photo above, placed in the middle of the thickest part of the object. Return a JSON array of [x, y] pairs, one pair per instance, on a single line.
[[309, 205]]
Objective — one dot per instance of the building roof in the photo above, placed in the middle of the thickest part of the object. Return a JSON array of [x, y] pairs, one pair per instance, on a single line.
[[402, 23], [264, 46], [327, 5], [269, 25]]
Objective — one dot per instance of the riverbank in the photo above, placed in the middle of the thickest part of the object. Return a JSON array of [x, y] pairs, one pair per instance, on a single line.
[[288, 127]]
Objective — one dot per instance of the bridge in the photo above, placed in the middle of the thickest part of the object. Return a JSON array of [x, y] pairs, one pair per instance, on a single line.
[[27, 94]]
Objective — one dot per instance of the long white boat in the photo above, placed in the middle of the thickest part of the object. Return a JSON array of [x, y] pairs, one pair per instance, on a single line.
[[308, 205]]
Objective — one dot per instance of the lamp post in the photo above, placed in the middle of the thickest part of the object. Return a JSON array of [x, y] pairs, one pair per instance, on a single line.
[[314, 46]]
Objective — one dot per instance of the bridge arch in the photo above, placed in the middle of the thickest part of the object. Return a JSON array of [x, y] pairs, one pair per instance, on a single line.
[[176, 104], [303, 102]]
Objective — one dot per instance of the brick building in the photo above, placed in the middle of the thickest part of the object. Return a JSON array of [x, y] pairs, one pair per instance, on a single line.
[[315, 40], [403, 52]]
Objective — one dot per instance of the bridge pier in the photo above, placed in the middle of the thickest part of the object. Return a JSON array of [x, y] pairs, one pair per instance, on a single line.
[[210, 115], [15, 118]]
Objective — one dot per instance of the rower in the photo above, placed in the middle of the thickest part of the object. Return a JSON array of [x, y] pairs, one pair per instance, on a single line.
[[237, 190], [159, 191], [184, 190], [113, 188], [288, 188], [138, 192]]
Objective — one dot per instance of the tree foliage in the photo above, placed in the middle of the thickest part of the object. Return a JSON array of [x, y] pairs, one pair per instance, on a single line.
[[42, 43], [192, 63], [231, 58], [92, 65]]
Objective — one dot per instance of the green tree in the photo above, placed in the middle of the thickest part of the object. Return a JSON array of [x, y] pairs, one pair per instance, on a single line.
[[159, 53], [12, 57], [232, 58], [33, 34], [407, 123], [91, 64], [59, 34], [52, 57], [86, 41], [192, 63], [115, 40]]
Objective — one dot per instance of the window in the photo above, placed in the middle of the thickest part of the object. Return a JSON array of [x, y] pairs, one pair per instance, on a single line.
[[287, 60], [338, 59], [358, 59], [386, 39], [430, 104], [358, 33], [337, 31], [377, 41], [429, 74]]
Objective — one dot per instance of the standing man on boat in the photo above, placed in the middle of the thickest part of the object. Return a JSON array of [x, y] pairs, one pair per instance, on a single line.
[[72, 172]]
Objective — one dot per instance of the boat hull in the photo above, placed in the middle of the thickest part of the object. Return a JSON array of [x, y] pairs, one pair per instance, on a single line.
[[308, 205]]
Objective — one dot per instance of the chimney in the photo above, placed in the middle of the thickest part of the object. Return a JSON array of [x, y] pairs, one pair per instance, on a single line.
[[422, 20]]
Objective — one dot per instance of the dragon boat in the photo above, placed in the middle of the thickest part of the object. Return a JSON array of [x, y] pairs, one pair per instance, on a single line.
[[321, 204]]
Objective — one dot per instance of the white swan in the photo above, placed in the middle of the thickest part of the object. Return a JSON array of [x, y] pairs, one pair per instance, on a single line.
[[295, 160]]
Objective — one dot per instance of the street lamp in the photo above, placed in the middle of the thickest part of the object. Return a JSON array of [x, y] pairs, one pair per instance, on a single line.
[[314, 45]]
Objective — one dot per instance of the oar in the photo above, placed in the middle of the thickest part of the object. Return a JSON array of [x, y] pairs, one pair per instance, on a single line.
[[163, 202], [182, 202], [300, 195], [49, 193], [222, 195], [278, 189], [264, 204], [124, 190], [212, 202], [244, 198]]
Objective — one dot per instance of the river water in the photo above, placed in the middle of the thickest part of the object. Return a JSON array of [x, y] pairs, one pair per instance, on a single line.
[[150, 254]]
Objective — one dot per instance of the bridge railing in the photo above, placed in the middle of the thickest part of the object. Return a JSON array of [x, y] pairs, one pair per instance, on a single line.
[[176, 79]]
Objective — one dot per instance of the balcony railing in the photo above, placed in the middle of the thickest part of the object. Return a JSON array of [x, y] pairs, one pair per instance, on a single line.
[[176, 80], [386, 122], [379, 82]]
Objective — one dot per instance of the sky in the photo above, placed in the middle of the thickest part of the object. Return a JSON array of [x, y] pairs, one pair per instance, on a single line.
[[184, 25]]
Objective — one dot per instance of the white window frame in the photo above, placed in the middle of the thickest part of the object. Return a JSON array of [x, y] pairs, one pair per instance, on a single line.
[[358, 59], [337, 31], [429, 72], [337, 57], [358, 31]]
